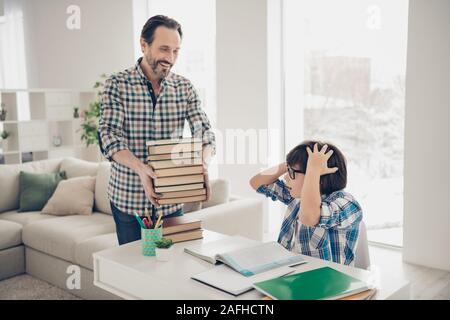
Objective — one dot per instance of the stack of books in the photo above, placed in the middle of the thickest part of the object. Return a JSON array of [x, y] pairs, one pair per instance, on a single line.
[[182, 228], [318, 284], [178, 164]]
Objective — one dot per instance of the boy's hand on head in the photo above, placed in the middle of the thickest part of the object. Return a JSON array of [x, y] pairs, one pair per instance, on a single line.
[[318, 160]]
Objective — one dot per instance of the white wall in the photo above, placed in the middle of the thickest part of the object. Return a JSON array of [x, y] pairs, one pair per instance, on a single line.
[[427, 133], [61, 58], [242, 102]]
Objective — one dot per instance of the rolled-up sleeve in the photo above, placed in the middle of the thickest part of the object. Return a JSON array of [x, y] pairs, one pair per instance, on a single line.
[[276, 191], [198, 120], [339, 213], [111, 121]]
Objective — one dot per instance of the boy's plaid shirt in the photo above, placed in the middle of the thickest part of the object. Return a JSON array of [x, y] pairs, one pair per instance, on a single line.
[[128, 119], [334, 238]]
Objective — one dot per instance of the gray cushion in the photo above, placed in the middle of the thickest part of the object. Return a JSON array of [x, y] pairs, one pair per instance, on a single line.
[[85, 249], [24, 218], [9, 176], [10, 234], [78, 168], [59, 237]]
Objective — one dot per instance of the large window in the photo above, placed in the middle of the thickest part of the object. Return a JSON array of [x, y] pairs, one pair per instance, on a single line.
[[344, 74]]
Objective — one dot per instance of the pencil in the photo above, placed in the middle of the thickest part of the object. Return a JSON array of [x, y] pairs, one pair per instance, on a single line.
[[159, 220]]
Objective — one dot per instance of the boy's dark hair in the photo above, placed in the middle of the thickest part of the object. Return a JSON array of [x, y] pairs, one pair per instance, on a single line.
[[148, 31], [329, 182]]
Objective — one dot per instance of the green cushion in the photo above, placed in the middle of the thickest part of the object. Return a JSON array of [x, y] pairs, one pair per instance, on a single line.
[[37, 188]]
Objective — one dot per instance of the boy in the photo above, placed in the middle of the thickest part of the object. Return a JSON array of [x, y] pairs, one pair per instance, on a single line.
[[322, 220]]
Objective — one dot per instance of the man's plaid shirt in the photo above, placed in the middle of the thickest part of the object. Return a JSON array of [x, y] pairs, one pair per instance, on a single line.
[[334, 238], [128, 119]]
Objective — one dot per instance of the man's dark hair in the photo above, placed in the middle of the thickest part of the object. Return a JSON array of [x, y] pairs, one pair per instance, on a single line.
[[329, 182], [148, 31]]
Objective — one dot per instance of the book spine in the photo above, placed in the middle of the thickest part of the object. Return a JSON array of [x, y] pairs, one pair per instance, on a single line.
[[182, 200], [183, 171], [173, 141], [180, 194], [175, 148], [167, 164], [174, 156], [184, 187], [171, 181]]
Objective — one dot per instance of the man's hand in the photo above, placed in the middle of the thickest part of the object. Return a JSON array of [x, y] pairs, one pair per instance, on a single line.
[[146, 174]]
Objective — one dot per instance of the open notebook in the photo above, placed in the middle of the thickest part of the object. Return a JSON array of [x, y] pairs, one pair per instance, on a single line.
[[226, 279], [246, 256]]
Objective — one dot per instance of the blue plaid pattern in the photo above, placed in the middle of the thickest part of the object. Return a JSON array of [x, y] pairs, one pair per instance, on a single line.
[[334, 238], [128, 119]]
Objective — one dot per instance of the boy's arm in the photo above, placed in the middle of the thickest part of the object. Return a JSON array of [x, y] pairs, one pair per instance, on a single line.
[[268, 176], [309, 214]]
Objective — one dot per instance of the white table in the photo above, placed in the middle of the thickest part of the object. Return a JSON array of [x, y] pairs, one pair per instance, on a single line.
[[125, 272]]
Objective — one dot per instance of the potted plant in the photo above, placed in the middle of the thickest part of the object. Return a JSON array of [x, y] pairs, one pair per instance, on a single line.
[[164, 249], [91, 116], [2, 112], [4, 135]]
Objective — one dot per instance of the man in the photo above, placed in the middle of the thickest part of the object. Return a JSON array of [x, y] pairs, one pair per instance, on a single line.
[[143, 103]]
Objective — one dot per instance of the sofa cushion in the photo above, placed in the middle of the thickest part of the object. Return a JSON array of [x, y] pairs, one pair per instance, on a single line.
[[78, 168], [59, 237], [10, 234], [220, 193], [37, 188], [85, 249], [24, 218], [72, 196], [9, 176], [102, 203]]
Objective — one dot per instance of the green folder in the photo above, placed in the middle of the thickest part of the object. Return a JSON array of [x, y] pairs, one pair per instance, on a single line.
[[322, 283]]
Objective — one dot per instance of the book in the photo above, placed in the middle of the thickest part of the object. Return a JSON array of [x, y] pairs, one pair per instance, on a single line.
[[176, 163], [226, 279], [175, 148], [246, 256], [181, 194], [179, 224], [174, 156], [183, 171], [173, 141], [365, 295], [170, 181], [185, 235], [182, 200], [183, 187], [318, 284]]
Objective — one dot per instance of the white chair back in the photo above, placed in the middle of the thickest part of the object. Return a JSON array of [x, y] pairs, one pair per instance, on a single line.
[[362, 257]]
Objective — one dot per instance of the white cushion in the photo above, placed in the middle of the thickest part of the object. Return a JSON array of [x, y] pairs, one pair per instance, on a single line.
[[220, 193], [9, 177], [72, 196], [85, 249], [10, 234], [78, 168], [102, 203], [59, 237], [24, 218]]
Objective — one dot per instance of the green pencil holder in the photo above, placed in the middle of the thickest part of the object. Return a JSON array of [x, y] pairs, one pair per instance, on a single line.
[[149, 237]]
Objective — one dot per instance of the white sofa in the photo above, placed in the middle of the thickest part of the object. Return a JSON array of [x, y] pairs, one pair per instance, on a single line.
[[44, 246]]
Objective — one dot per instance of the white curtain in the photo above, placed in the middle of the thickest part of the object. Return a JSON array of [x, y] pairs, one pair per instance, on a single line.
[[13, 72]]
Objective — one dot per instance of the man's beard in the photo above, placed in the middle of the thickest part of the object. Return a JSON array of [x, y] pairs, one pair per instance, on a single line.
[[160, 71]]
